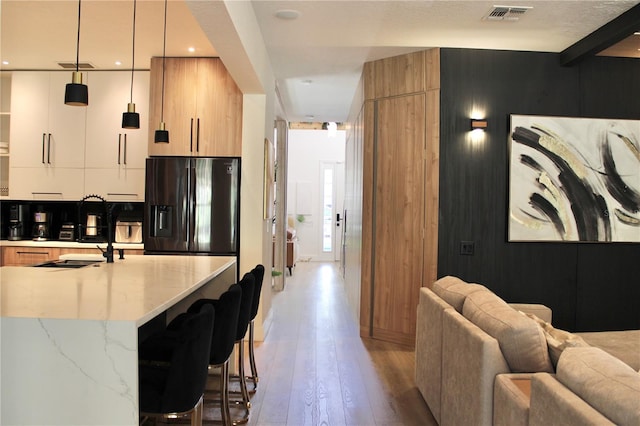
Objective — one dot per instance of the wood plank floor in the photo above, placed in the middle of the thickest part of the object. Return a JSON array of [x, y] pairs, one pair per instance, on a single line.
[[315, 369]]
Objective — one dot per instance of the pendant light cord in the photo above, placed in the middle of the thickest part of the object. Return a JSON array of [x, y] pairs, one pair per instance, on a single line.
[[133, 49], [164, 49], [78, 41]]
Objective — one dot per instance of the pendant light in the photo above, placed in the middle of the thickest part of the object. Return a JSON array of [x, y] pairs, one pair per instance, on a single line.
[[162, 135], [76, 93], [131, 119]]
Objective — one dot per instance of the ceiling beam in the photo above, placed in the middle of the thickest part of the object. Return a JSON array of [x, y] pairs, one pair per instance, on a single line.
[[607, 35]]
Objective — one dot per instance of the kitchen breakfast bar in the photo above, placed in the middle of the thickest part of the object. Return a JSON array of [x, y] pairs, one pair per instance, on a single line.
[[69, 337]]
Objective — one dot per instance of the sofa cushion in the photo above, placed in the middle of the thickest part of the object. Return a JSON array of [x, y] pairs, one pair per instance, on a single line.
[[603, 381], [453, 290], [521, 341]]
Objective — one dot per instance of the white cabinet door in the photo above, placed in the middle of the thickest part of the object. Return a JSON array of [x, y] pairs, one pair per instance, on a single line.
[[46, 183], [44, 131], [115, 157], [115, 184], [108, 145]]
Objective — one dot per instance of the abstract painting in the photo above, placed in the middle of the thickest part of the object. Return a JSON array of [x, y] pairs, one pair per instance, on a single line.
[[574, 179]]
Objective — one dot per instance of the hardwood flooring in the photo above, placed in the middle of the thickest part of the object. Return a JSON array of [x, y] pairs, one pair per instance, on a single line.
[[315, 369]]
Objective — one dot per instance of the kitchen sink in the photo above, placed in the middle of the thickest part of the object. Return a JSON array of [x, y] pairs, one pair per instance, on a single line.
[[67, 263]]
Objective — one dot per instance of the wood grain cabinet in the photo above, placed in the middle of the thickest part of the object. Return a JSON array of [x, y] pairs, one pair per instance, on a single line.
[[202, 108], [22, 256], [394, 164]]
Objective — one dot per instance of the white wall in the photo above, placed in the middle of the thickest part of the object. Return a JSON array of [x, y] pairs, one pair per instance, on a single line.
[[307, 150]]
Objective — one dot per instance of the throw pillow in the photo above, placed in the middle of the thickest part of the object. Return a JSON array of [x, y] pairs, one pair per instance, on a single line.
[[557, 340]]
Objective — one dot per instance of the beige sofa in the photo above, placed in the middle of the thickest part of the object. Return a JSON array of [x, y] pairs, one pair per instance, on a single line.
[[469, 341]]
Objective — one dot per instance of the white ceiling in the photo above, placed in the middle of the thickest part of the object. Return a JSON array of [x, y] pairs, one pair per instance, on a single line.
[[317, 58]]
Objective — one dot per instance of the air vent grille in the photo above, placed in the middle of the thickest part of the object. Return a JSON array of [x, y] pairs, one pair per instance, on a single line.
[[506, 13], [72, 65]]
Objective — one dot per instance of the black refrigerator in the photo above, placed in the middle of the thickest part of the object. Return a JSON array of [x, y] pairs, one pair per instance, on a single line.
[[192, 205]]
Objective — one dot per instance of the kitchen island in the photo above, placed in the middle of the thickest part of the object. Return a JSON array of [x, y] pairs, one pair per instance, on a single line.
[[69, 337]]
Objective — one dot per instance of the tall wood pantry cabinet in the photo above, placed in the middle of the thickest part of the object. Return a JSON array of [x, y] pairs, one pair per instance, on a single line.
[[202, 108], [399, 149]]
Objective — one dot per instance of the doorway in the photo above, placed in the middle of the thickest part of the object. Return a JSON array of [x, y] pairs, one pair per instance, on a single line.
[[331, 210]]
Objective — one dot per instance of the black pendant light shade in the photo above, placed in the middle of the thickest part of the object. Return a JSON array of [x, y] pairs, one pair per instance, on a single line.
[[76, 93], [131, 119], [161, 135]]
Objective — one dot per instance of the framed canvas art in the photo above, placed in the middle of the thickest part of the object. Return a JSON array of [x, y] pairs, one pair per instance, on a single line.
[[574, 179]]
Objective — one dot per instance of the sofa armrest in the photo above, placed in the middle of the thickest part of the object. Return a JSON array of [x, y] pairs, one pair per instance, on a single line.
[[511, 394], [429, 348], [471, 361], [554, 404], [541, 311]]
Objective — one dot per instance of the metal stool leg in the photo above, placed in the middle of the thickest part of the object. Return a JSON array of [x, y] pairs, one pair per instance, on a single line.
[[253, 378]]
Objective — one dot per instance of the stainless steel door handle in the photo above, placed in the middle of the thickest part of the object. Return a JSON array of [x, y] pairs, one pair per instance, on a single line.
[[44, 136], [119, 145], [125, 149]]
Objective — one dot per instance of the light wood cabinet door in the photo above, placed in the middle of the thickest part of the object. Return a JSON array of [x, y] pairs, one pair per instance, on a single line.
[[202, 108], [23, 256], [399, 185]]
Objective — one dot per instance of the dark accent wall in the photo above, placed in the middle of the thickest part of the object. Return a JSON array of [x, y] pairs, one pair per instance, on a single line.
[[589, 286]]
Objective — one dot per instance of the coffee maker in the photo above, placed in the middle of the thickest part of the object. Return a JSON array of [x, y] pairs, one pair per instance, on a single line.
[[41, 226], [17, 216]]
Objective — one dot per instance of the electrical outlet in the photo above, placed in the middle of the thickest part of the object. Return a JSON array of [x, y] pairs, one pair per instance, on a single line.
[[467, 247]]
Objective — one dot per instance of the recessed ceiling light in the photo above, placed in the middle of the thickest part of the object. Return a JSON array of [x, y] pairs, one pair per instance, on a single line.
[[287, 14], [5, 62], [192, 49], [118, 63], [310, 117]]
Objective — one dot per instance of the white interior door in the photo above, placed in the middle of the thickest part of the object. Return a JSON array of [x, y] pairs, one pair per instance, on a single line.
[[331, 204]]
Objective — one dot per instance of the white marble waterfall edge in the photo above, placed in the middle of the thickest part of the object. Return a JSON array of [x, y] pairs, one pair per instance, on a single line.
[[65, 372]]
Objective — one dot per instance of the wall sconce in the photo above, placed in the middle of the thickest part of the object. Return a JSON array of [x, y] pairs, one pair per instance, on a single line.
[[477, 124], [162, 135], [131, 119], [76, 93]]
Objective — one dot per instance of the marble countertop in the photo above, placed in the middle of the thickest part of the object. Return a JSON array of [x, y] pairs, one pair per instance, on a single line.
[[134, 289], [67, 244]]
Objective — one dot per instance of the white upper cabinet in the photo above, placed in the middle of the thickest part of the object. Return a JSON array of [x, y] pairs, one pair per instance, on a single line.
[[108, 145], [44, 131]]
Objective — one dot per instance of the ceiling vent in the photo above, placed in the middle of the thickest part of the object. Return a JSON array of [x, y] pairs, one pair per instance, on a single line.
[[72, 65], [506, 13]]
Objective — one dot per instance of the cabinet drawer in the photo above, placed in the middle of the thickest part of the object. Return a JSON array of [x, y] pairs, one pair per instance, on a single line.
[[20, 256]]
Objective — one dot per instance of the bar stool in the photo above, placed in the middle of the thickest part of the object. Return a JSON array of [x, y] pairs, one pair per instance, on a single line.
[[246, 305], [172, 371], [258, 274], [227, 309]]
